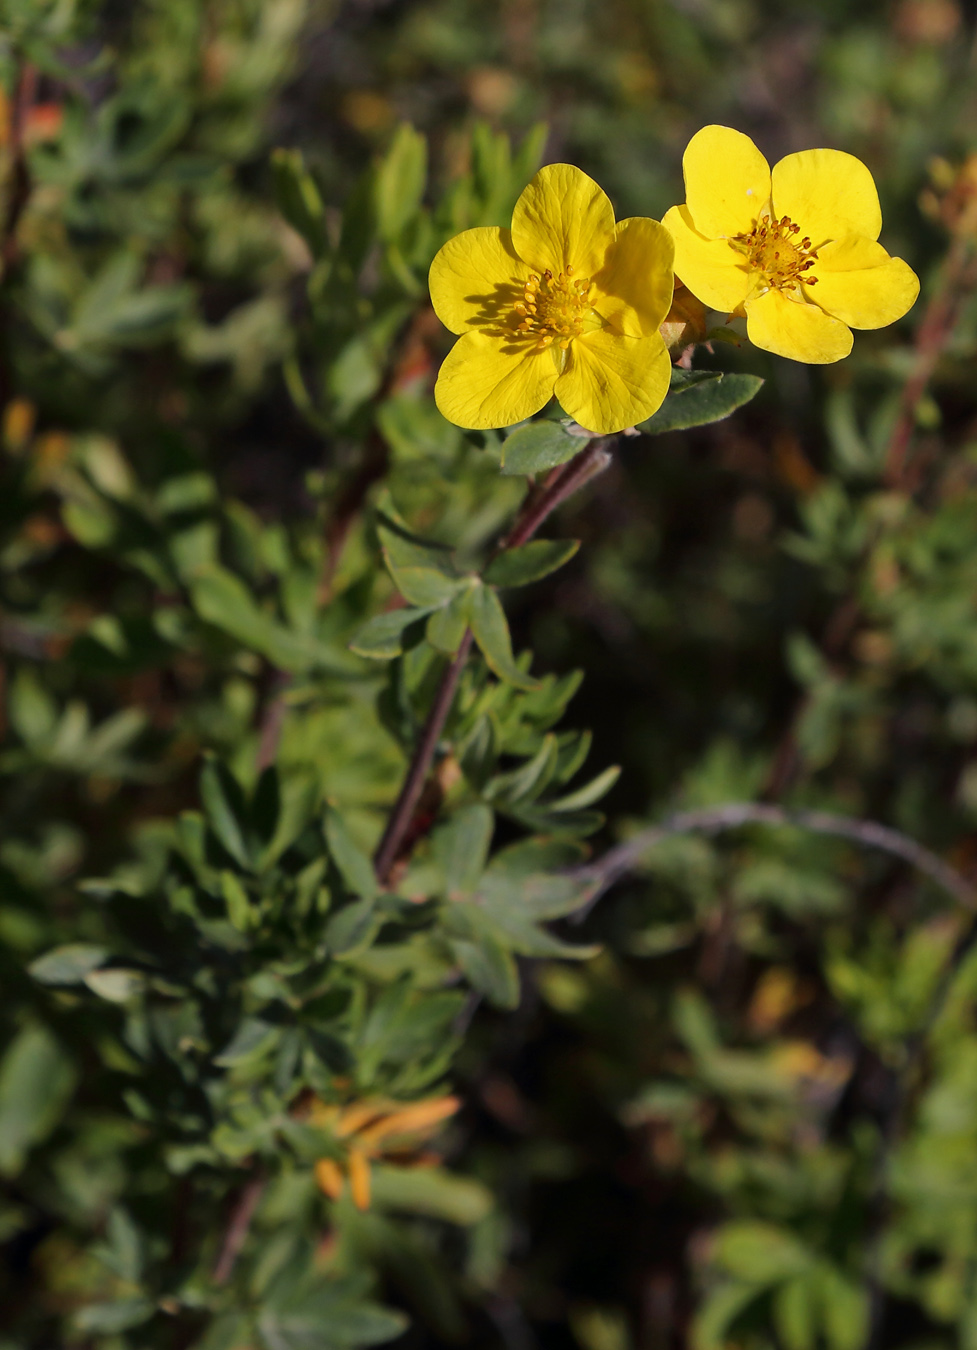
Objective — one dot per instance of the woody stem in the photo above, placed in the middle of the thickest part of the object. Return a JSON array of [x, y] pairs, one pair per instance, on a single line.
[[590, 462]]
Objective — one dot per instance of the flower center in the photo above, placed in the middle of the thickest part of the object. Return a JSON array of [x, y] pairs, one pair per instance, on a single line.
[[772, 247], [554, 309]]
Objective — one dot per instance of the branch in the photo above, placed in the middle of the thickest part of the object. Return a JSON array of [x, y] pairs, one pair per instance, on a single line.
[[237, 1229], [932, 336], [590, 462], [603, 873]]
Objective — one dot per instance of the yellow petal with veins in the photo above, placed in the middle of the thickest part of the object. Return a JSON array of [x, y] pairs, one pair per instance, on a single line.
[[634, 287], [476, 278], [861, 285], [563, 219], [486, 383], [828, 194], [613, 381], [727, 182], [796, 329], [711, 268]]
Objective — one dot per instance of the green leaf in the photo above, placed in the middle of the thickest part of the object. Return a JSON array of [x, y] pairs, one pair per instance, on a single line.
[[711, 1327], [382, 638], [431, 1191], [479, 752], [425, 586], [116, 985], [539, 895], [538, 447], [399, 182], [36, 1079], [122, 1251], [349, 931], [695, 404], [222, 599], [236, 898], [845, 1310], [296, 1322], [795, 1313], [539, 819], [503, 913], [33, 712], [423, 573], [446, 627], [490, 968], [354, 866], [588, 794], [253, 1039], [68, 964], [298, 198], [527, 856], [530, 779], [224, 804], [530, 562], [759, 1252], [461, 847], [491, 630], [109, 1319]]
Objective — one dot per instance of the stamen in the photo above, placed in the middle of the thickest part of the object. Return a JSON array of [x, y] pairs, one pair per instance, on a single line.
[[773, 250], [554, 309]]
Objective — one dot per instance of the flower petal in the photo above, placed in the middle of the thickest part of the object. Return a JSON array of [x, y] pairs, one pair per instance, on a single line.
[[796, 329], [563, 219], [476, 278], [727, 182], [861, 285], [612, 381], [713, 270], [828, 194], [634, 287], [485, 382]]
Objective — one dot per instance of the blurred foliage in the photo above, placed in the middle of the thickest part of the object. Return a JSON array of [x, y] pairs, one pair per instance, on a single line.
[[737, 1104]]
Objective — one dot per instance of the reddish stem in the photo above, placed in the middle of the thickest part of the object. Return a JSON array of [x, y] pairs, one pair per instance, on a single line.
[[571, 478], [931, 338]]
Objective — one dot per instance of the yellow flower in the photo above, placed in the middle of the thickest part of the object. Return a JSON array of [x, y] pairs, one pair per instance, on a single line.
[[566, 302], [794, 249]]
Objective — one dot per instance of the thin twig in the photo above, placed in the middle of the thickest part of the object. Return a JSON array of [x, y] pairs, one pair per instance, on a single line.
[[932, 336], [590, 462], [403, 812], [603, 873], [238, 1228], [870, 834]]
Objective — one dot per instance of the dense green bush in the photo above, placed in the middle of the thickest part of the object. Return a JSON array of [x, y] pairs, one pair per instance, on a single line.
[[654, 1034]]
